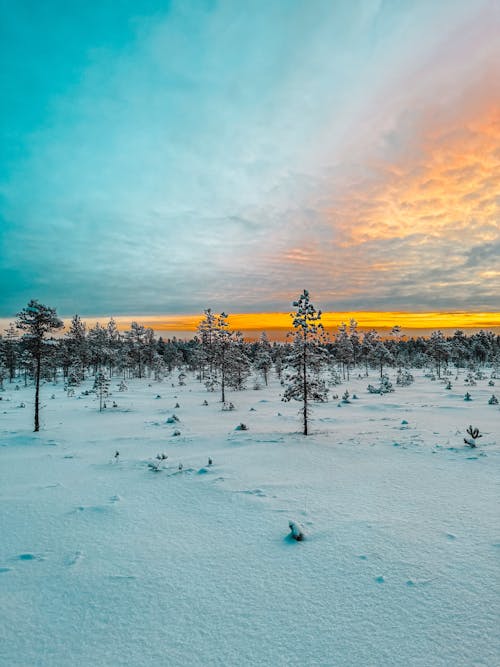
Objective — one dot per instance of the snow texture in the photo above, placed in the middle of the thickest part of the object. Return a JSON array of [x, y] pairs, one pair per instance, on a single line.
[[104, 563]]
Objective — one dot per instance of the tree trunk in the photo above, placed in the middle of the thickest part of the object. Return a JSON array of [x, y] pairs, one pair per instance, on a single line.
[[37, 390], [304, 388]]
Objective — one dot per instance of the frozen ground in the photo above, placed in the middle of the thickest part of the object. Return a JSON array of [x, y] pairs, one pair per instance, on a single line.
[[108, 563]]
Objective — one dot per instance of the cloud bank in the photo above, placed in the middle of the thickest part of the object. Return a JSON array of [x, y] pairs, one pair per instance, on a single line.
[[181, 155]]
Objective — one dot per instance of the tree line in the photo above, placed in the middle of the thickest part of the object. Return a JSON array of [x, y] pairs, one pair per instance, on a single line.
[[221, 358]]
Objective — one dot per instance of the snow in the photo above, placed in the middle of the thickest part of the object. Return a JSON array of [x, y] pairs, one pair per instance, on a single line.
[[105, 562]]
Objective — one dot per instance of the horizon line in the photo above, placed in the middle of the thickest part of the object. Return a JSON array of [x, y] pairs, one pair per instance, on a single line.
[[281, 321]]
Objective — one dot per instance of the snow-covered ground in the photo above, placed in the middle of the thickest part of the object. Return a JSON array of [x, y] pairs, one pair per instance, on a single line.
[[108, 563]]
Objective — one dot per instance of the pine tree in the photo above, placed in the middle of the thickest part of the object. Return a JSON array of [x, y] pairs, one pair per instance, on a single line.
[[37, 320], [263, 358], [438, 349], [101, 387], [76, 343], [10, 350], [380, 355], [306, 359], [238, 363], [344, 349]]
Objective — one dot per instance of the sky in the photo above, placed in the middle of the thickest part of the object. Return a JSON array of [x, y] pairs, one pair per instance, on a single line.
[[159, 158]]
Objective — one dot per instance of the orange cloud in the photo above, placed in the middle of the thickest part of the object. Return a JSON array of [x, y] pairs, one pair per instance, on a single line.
[[454, 187]]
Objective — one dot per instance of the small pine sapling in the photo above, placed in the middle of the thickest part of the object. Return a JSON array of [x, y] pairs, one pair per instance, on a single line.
[[474, 435]]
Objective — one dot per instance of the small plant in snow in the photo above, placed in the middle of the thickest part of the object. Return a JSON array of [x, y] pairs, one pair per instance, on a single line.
[[474, 435], [205, 403], [491, 383], [345, 397], [122, 386], [210, 461], [176, 433], [173, 419], [467, 397], [176, 406], [448, 385], [242, 427], [493, 400], [296, 531], [404, 378], [227, 407]]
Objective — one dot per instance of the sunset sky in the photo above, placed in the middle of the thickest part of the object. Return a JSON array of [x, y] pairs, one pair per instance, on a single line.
[[161, 157]]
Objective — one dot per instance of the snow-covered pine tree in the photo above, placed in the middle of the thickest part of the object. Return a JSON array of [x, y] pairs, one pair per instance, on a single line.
[[343, 349], [438, 349], [380, 355], [306, 359], [101, 386], [263, 359], [238, 363], [37, 320], [207, 330], [10, 351], [75, 342], [222, 341], [370, 339], [159, 367]]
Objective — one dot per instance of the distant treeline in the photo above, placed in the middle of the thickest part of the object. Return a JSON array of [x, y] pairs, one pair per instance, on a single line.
[[137, 352]]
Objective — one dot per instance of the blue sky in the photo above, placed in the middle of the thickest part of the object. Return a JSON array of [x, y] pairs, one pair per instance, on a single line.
[[160, 157]]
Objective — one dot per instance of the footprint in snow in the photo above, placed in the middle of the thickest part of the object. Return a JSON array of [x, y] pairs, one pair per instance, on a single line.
[[28, 557], [74, 559], [380, 580]]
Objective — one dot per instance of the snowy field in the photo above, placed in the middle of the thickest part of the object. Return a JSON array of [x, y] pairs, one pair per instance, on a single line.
[[108, 563]]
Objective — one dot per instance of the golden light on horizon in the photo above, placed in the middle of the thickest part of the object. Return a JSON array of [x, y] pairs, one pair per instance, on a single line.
[[280, 322]]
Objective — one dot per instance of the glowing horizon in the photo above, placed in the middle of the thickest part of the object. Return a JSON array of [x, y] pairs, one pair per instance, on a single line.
[[280, 322]]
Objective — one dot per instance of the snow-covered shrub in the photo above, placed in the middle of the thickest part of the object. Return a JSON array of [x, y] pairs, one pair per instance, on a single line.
[[493, 400], [296, 531], [491, 383], [173, 419], [474, 435], [241, 427], [448, 385], [334, 379], [470, 381], [345, 397], [122, 386], [404, 378], [384, 388], [467, 396], [227, 406]]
